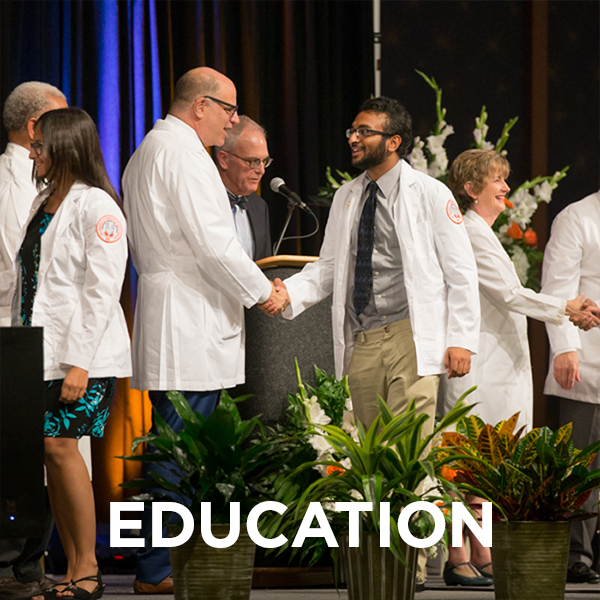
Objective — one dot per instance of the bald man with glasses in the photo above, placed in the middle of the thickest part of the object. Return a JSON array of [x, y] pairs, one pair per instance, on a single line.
[[242, 161]]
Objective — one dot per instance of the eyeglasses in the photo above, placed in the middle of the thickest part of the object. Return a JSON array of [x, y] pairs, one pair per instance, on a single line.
[[365, 132], [230, 109], [254, 163], [37, 148]]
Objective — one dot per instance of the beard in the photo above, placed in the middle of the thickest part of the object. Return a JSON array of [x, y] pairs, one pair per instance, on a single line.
[[372, 157]]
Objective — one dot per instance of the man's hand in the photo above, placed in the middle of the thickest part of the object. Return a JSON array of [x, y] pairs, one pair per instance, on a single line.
[[74, 385], [278, 301], [566, 370], [457, 361], [584, 314]]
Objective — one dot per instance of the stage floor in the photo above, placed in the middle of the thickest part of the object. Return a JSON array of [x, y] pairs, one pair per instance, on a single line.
[[119, 587]]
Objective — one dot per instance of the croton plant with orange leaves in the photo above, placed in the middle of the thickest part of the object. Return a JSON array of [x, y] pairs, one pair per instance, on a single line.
[[533, 476]]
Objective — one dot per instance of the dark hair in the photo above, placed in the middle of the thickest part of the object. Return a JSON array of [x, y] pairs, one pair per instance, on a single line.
[[72, 145], [398, 121]]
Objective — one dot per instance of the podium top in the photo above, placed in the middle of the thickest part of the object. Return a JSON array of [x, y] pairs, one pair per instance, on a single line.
[[285, 260]]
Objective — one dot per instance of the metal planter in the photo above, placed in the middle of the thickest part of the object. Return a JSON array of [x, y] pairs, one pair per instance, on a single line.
[[200, 571], [530, 559], [374, 573]]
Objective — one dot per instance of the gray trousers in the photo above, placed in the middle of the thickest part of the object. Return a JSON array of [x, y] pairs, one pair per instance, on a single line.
[[586, 429], [20, 557]]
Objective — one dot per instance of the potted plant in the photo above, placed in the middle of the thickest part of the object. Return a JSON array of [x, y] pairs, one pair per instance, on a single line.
[[386, 463], [537, 482], [216, 463]]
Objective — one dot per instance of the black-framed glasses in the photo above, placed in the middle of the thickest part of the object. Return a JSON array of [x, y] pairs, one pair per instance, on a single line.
[[37, 148], [253, 163], [230, 109], [365, 132]]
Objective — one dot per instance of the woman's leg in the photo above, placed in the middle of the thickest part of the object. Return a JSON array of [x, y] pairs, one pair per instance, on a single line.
[[480, 555], [73, 499]]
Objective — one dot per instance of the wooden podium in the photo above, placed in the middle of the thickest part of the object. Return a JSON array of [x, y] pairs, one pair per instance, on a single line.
[[272, 344]]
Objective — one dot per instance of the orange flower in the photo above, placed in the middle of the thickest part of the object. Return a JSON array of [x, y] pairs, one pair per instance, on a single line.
[[331, 469], [440, 504], [514, 231], [530, 237], [508, 202], [448, 474]]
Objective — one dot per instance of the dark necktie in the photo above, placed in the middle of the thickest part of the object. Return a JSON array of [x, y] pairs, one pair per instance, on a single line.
[[237, 201], [363, 274]]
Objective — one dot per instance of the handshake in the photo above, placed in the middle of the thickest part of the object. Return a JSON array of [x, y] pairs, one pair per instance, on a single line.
[[279, 299], [583, 313]]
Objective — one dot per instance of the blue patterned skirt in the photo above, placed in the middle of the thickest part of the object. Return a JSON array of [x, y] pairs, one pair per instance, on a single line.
[[86, 416]]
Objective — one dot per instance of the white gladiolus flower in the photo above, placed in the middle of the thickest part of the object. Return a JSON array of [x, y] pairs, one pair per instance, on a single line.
[[502, 235], [439, 165], [521, 263], [349, 426], [524, 206], [417, 158], [317, 415], [319, 443], [346, 463], [349, 407], [543, 191]]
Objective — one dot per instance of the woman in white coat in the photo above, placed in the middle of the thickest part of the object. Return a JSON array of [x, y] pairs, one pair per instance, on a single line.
[[69, 272], [502, 368]]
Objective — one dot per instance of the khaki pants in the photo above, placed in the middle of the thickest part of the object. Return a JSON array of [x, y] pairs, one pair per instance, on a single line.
[[384, 362]]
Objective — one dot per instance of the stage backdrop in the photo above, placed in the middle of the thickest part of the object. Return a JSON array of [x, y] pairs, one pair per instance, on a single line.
[[301, 70], [535, 60]]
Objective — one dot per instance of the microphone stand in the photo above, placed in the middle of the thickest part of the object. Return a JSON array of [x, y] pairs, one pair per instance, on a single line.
[[291, 207]]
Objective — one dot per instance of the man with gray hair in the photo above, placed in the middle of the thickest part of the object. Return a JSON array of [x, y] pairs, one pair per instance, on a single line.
[[242, 161], [21, 576], [23, 107]]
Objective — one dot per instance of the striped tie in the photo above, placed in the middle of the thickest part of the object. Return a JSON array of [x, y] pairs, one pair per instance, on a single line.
[[237, 201]]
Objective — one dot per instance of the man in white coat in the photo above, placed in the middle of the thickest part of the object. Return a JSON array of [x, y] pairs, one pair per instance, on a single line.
[[572, 265], [399, 263], [194, 276], [20, 573]]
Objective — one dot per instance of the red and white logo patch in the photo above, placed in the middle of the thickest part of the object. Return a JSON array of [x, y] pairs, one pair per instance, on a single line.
[[109, 229], [453, 212]]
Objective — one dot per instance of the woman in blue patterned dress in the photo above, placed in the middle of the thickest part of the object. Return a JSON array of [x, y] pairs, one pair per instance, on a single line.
[[70, 268]]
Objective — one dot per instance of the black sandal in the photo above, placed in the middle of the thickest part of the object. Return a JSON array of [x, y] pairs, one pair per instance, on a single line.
[[81, 594], [50, 593]]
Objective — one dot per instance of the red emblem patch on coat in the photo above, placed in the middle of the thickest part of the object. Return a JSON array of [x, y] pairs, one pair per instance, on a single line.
[[453, 212], [109, 229]]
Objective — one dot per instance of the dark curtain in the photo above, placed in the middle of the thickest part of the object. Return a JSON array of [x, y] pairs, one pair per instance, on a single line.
[[301, 70]]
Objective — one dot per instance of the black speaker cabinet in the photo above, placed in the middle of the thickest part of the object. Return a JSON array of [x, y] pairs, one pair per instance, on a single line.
[[22, 494]]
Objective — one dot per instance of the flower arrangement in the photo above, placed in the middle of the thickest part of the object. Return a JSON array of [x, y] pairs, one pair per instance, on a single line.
[[513, 226]]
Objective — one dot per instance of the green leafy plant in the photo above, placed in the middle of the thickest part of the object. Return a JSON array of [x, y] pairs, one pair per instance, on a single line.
[[538, 476], [214, 458], [387, 463]]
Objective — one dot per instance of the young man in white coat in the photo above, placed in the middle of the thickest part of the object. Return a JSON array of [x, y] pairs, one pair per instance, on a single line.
[[572, 265], [194, 276], [20, 573], [399, 263]]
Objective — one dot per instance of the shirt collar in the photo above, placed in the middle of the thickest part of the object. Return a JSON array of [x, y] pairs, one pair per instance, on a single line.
[[387, 181], [19, 153]]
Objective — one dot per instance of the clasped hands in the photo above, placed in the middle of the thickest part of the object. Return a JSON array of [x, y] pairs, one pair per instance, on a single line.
[[278, 301], [584, 313]]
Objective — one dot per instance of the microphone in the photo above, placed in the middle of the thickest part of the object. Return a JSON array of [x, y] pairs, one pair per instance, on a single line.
[[278, 186]]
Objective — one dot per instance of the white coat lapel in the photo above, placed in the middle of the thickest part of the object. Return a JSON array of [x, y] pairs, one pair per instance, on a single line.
[[62, 219]]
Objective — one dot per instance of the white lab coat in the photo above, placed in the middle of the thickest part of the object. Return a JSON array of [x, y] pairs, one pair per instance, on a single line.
[[502, 369], [571, 267], [17, 192], [79, 284], [440, 274], [194, 276]]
